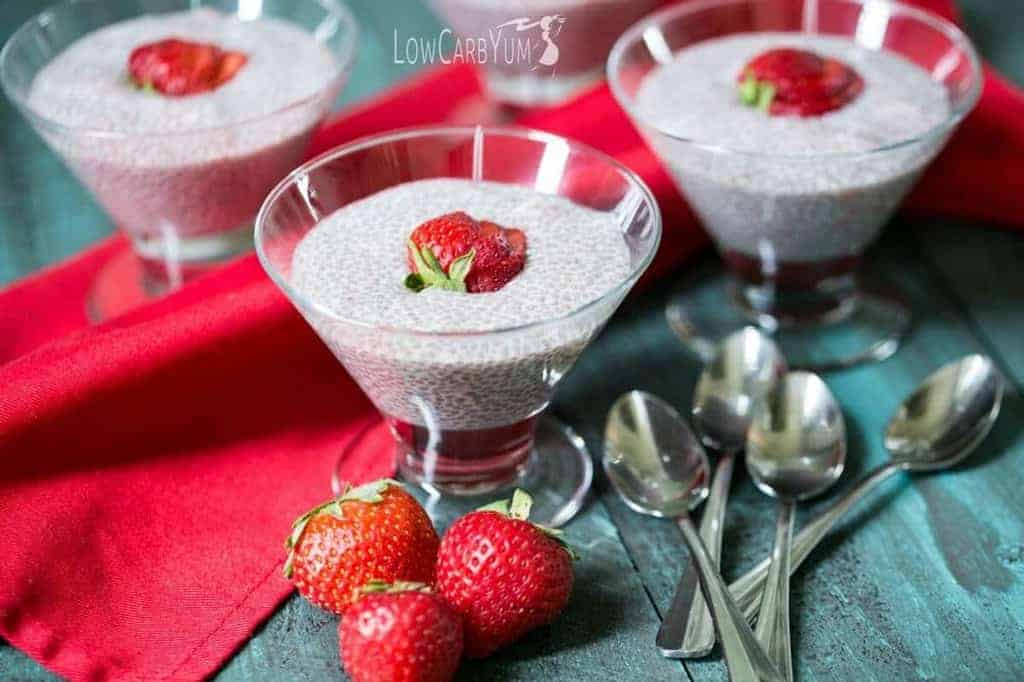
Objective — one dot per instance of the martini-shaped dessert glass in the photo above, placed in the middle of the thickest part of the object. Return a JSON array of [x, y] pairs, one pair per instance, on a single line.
[[462, 379], [795, 130], [179, 116]]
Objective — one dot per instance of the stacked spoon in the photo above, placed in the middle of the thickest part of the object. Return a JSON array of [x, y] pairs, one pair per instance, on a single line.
[[795, 443], [743, 368]]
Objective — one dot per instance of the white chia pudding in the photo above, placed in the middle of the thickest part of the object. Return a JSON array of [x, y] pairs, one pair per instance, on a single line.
[[191, 165], [353, 264], [783, 189]]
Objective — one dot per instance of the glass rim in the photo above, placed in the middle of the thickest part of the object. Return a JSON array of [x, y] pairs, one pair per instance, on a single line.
[[894, 7], [471, 132], [344, 57]]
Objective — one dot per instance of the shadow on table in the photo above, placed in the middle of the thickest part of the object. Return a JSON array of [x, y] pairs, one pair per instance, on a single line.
[[594, 613]]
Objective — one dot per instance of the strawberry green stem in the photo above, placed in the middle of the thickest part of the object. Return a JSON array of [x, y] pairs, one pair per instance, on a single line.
[[757, 94], [378, 586], [429, 272], [518, 508]]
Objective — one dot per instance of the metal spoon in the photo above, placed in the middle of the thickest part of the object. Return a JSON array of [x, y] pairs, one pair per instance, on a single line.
[[796, 449], [745, 365], [659, 468], [938, 426]]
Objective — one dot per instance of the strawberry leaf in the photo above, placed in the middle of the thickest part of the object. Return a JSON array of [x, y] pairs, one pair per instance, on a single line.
[[748, 90], [429, 272], [377, 586], [414, 282], [765, 96], [516, 508], [520, 506], [368, 492], [500, 506], [423, 267], [757, 94], [432, 263], [452, 285], [460, 267]]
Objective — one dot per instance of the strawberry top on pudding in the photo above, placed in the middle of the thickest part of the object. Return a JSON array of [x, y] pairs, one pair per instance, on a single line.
[[182, 122], [789, 145], [835, 96]]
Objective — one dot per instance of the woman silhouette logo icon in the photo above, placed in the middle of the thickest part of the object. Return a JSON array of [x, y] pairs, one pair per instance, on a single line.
[[550, 26]]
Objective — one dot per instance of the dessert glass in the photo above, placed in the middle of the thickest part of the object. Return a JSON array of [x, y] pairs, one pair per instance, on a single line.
[[538, 53], [181, 215], [815, 306], [418, 380]]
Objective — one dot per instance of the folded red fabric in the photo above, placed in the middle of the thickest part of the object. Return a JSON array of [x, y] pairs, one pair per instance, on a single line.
[[152, 464]]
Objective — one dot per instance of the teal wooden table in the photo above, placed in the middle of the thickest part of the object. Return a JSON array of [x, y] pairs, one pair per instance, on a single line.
[[925, 580]]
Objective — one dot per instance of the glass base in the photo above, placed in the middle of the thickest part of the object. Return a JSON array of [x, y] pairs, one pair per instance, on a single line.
[[557, 472], [153, 268], [863, 326], [530, 89], [119, 288]]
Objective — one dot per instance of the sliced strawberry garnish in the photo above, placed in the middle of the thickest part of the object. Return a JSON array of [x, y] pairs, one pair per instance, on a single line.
[[457, 253], [791, 82], [448, 237], [230, 64], [500, 256], [178, 67]]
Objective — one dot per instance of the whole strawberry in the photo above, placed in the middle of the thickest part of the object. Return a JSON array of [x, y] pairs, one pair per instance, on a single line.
[[504, 575], [374, 532], [400, 633]]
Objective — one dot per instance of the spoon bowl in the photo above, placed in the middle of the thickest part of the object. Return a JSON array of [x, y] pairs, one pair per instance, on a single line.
[[971, 426], [948, 415], [796, 446], [652, 458], [745, 366]]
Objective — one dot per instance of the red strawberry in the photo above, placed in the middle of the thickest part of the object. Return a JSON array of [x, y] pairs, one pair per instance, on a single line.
[[178, 67], [374, 532], [400, 633], [457, 253], [504, 575], [500, 256], [791, 82], [449, 237]]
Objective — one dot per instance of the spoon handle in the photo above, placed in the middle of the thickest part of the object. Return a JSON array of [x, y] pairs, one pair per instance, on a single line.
[[773, 623], [746, 590], [744, 657], [687, 630]]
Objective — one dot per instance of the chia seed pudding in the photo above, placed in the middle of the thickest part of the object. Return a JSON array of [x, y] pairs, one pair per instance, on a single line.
[[444, 369], [192, 165], [782, 191]]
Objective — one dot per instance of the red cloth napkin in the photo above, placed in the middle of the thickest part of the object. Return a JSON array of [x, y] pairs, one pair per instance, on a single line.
[[151, 465]]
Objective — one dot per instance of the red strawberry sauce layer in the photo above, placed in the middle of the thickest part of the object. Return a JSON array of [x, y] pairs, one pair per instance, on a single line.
[[793, 82]]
